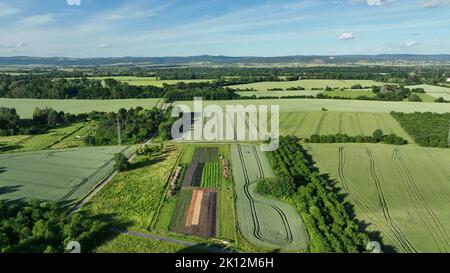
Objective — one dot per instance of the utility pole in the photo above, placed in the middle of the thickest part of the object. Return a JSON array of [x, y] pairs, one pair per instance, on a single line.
[[119, 138]]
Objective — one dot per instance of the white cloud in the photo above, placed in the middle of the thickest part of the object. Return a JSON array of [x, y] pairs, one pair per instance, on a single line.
[[104, 45], [7, 10], [435, 3], [373, 3], [18, 45], [36, 20], [408, 44], [346, 36], [73, 2]]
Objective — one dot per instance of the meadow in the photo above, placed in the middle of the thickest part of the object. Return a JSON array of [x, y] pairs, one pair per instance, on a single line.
[[264, 222], [401, 192], [143, 81], [305, 124], [56, 175], [25, 107], [307, 84], [123, 243], [134, 196], [434, 91]]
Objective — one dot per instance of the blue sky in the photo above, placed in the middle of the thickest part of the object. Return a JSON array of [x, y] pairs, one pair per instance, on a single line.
[[101, 28]]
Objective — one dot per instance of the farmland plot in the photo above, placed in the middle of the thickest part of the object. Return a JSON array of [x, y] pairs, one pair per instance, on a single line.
[[56, 175], [304, 124], [435, 91], [306, 105], [196, 213], [263, 221], [194, 173], [307, 84], [401, 192]]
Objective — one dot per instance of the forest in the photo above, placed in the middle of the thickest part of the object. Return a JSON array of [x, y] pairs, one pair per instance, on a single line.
[[43, 227], [428, 129]]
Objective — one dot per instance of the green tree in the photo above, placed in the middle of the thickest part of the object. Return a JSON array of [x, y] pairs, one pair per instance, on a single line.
[[122, 163]]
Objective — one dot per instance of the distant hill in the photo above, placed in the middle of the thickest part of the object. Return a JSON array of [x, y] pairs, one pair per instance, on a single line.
[[219, 60]]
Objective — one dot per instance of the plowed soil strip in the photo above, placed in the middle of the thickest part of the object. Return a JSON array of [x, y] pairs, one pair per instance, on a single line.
[[193, 217]]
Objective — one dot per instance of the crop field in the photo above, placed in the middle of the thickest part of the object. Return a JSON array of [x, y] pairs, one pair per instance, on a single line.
[[134, 196], [307, 84], [179, 216], [39, 142], [142, 81], [304, 105], [212, 175], [75, 139], [401, 192], [56, 175], [263, 221], [349, 93], [434, 91], [25, 107], [277, 94], [201, 157], [324, 123]]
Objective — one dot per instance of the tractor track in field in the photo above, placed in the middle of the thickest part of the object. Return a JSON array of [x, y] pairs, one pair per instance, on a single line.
[[320, 125], [377, 120], [358, 122], [355, 197], [428, 216], [383, 204], [256, 225], [299, 124], [340, 124]]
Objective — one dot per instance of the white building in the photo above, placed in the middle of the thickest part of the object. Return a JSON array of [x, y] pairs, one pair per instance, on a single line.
[[448, 79]]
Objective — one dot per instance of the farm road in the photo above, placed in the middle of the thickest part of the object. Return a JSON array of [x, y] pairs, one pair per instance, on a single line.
[[171, 240]]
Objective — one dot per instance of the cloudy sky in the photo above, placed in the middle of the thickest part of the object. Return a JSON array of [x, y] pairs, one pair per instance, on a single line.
[[100, 28]]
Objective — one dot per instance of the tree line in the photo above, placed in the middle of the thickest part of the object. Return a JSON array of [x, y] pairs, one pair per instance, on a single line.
[[329, 226], [43, 119], [377, 137]]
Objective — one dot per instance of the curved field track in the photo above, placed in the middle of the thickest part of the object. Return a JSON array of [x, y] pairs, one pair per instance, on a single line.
[[263, 221], [401, 192]]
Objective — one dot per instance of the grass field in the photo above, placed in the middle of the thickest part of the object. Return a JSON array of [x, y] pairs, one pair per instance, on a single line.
[[142, 81], [303, 105], [123, 243], [56, 175], [133, 196], [25, 107], [434, 91], [212, 175], [304, 124], [264, 222], [307, 84], [350, 93], [401, 192]]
